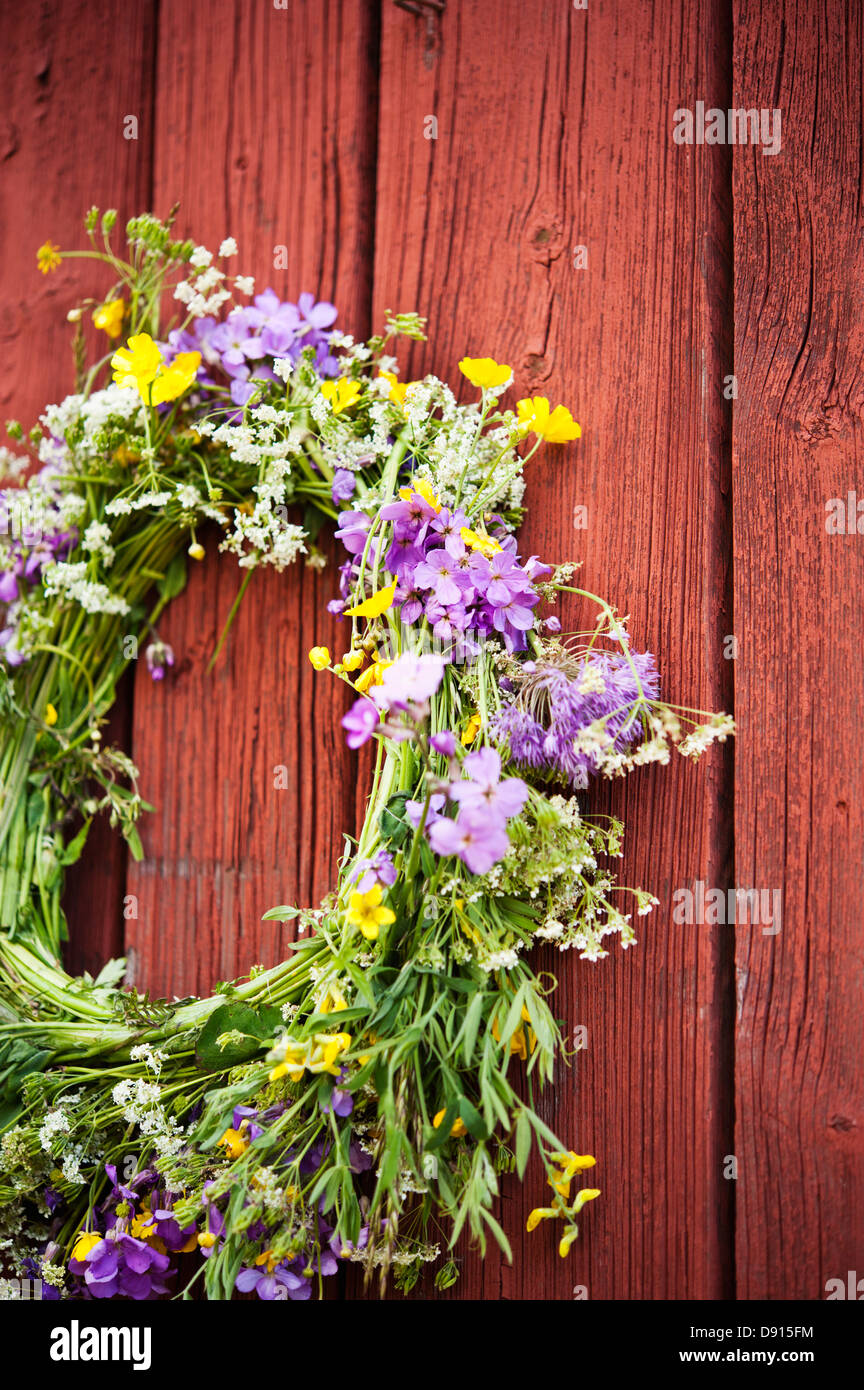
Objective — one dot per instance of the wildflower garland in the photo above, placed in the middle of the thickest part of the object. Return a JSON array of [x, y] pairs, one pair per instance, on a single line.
[[360, 1100]]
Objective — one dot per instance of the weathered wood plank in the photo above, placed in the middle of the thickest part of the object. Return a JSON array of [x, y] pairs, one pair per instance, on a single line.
[[265, 131], [71, 73], [799, 783], [554, 130]]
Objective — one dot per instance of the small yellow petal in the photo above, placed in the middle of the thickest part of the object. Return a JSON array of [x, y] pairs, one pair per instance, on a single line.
[[537, 1215], [587, 1194], [50, 715], [375, 605]]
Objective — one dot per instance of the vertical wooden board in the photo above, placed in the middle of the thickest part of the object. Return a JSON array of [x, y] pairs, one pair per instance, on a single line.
[[554, 130], [266, 132], [71, 72], [799, 779]]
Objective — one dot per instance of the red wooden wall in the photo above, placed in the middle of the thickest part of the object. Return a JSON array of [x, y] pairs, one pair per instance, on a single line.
[[306, 127]]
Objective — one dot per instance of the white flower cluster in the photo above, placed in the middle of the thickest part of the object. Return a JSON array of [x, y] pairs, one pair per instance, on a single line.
[[205, 292], [54, 1124], [96, 541], [12, 466], [95, 412], [70, 581], [141, 1104]]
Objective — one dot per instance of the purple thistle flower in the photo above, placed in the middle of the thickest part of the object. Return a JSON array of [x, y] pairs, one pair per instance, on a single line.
[[555, 702]]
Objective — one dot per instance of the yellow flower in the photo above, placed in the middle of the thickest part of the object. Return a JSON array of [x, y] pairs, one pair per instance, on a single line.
[[196, 550], [567, 1240], [137, 364], [267, 1258], [320, 658], [365, 911], [374, 606], [518, 1043], [456, 1129], [206, 1240], [570, 1164], [397, 387], [351, 661], [475, 540], [485, 373], [333, 999], [556, 426], [84, 1244], [471, 730], [421, 486], [176, 379], [539, 1214], [234, 1143], [316, 1054], [341, 394], [371, 676], [50, 715], [142, 1226], [587, 1194], [140, 366], [109, 317], [48, 257]]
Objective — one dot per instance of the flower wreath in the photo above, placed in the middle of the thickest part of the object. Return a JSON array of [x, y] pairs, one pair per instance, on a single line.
[[360, 1100]]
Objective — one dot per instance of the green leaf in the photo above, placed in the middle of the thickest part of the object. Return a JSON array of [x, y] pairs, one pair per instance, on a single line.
[[230, 1018], [472, 1119], [133, 840], [473, 1016], [285, 913], [173, 581], [72, 853], [393, 825], [523, 1143]]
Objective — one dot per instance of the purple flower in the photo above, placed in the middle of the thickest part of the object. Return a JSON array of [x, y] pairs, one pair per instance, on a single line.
[[479, 839], [158, 655], [352, 531], [341, 1102], [344, 483], [367, 872], [414, 810], [444, 742], [122, 1264], [277, 1282], [441, 573], [410, 681], [485, 791], [360, 722]]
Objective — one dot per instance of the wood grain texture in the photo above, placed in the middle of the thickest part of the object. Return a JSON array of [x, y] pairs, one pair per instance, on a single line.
[[554, 131], [266, 132], [71, 73], [799, 679]]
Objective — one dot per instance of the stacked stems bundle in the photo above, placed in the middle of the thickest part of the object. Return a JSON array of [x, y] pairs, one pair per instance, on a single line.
[[360, 1100]]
